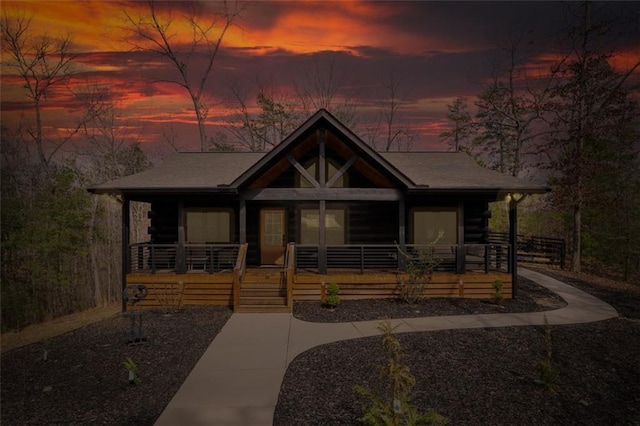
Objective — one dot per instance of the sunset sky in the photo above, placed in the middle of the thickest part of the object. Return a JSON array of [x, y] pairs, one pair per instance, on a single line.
[[436, 50]]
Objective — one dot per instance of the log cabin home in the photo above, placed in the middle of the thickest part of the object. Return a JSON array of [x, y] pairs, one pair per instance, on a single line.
[[258, 231]]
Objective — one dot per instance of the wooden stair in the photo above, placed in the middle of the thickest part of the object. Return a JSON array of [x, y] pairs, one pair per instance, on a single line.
[[262, 291]]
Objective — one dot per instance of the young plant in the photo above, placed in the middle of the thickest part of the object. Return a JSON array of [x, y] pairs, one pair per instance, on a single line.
[[497, 295], [332, 298], [132, 371], [392, 404], [549, 372], [419, 271]]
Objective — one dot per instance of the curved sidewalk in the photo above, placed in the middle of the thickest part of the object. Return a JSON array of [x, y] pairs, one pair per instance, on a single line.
[[237, 380]]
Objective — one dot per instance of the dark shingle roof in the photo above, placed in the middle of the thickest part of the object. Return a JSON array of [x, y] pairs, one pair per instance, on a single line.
[[206, 172], [454, 170], [187, 171]]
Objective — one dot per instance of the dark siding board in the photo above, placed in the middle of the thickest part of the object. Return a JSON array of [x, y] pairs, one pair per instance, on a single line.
[[164, 222], [476, 222], [253, 234], [371, 223]]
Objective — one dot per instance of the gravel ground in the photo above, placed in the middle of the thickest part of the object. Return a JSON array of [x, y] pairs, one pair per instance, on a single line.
[[84, 380], [484, 376]]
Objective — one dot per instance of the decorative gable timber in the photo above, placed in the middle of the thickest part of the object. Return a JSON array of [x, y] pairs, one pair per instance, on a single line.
[[320, 132]]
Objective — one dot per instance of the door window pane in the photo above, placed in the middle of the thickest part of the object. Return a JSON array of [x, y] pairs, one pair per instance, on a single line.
[[273, 228]]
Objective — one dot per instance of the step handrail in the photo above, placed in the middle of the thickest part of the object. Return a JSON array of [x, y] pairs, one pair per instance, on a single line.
[[238, 274]]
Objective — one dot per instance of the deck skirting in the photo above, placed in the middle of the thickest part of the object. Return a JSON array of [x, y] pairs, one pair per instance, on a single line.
[[171, 291]]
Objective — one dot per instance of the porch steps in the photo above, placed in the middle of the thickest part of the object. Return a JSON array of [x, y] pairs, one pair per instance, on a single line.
[[262, 291]]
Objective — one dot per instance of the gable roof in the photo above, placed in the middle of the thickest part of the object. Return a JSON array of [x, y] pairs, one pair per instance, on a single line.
[[212, 172], [322, 119]]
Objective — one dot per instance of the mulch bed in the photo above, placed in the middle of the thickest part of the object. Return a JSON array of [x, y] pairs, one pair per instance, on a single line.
[[84, 380], [482, 376], [531, 298]]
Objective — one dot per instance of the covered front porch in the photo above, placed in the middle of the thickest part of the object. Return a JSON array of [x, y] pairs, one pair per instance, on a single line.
[[217, 274]]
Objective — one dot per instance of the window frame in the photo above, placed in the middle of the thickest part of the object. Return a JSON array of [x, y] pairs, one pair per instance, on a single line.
[[315, 208], [412, 222], [228, 210]]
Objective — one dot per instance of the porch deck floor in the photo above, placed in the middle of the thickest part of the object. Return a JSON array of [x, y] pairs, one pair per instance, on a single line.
[[237, 380]]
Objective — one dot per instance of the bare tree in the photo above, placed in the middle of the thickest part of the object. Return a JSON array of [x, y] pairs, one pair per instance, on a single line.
[[114, 153], [278, 115], [396, 134], [512, 110], [591, 106], [156, 31], [322, 86], [42, 63]]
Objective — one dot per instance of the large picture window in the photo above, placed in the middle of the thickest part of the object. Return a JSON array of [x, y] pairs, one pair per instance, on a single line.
[[428, 223], [334, 226], [208, 225]]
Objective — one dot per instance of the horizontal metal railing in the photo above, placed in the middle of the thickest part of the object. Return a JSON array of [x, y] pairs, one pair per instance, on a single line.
[[535, 249], [148, 257], [445, 258]]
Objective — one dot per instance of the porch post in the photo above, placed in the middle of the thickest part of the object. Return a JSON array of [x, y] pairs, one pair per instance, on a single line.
[[243, 221], [402, 235], [322, 163], [322, 241], [181, 264], [513, 241], [460, 253], [126, 235], [322, 211]]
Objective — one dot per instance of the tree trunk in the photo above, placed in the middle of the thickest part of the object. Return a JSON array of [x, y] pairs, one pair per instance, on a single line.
[[577, 237], [95, 270]]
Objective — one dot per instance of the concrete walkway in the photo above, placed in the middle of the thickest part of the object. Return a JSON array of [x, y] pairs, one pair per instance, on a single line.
[[237, 380]]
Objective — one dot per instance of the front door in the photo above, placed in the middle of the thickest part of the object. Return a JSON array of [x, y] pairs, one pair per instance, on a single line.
[[272, 226]]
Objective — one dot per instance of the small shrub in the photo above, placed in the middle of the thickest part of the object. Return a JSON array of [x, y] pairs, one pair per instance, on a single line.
[[332, 298], [497, 295], [419, 269], [392, 404]]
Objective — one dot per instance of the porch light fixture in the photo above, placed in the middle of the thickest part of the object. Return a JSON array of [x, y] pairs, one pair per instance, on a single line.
[[516, 197]]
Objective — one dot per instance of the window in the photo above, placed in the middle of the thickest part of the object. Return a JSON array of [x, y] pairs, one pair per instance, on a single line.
[[312, 169], [334, 226], [208, 225], [428, 223]]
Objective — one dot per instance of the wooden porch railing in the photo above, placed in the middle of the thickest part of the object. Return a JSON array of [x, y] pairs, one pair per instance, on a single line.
[[477, 257], [289, 268], [211, 258], [238, 274]]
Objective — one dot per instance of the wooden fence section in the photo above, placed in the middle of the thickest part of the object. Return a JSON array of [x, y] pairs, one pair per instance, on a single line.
[[177, 290], [308, 287]]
